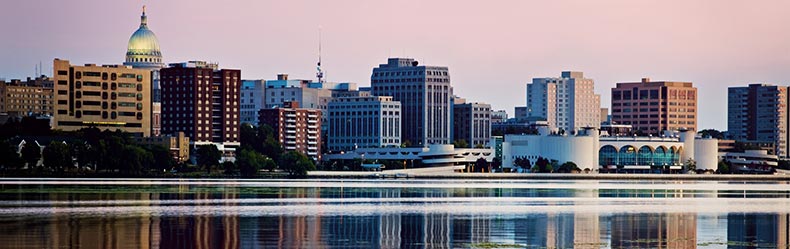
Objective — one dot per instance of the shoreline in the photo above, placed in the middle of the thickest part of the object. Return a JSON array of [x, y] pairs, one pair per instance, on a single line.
[[447, 173]]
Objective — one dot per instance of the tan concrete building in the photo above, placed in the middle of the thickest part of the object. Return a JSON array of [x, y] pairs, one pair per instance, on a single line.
[[107, 97], [655, 106], [34, 96], [177, 143], [297, 129]]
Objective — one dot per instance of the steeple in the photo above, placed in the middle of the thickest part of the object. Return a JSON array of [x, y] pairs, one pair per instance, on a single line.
[[143, 19]]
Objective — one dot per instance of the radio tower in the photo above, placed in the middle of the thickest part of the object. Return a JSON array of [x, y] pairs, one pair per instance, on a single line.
[[320, 73]]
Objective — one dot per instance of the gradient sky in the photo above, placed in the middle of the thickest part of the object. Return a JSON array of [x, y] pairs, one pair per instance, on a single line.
[[493, 48]]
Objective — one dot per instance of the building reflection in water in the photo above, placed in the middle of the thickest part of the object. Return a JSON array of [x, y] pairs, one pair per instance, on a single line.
[[148, 229]]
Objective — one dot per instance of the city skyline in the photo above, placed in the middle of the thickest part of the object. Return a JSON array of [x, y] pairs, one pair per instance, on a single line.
[[492, 51]]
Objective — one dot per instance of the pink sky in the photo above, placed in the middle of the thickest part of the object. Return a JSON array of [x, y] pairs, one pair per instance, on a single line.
[[493, 48]]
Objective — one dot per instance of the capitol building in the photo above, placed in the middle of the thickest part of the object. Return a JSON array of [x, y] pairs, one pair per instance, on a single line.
[[143, 50]]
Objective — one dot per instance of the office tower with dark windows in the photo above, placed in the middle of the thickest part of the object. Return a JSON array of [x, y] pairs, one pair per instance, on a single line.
[[425, 95], [472, 123], [567, 103], [202, 101], [297, 129], [364, 122], [652, 107], [107, 97], [758, 114]]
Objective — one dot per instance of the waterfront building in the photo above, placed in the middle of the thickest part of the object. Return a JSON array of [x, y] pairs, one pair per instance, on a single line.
[[751, 161], [435, 155], [568, 103], [472, 123], [758, 113], [655, 106], [425, 94], [143, 52], [251, 101], [25, 98], [589, 150], [107, 97], [364, 122], [202, 101], [297, 129], [177, 144]]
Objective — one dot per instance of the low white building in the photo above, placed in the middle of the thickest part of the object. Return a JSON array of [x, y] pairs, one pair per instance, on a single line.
[[589, 150], [433, 156]]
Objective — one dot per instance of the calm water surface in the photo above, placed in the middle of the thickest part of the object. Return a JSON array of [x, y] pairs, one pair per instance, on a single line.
[[152, 213]]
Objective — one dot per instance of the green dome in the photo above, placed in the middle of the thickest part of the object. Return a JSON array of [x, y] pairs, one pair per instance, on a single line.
[[143, 50]]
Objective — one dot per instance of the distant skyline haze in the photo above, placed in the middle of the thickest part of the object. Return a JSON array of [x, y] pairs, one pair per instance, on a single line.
[[492, 49]]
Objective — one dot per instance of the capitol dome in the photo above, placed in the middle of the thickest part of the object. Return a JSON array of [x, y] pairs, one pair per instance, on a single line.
[[143, 50]]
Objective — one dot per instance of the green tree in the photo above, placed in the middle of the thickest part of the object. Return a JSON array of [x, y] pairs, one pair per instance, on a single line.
[[229, 167], [296, 163], [31, 153], [568, 167], [163, 160], [712, 133], [723, 167], [249, 162], [479, 146], [269, 164], [10, 158], [690, 165], [57, 157], [543, 165], [134, 159], [208, 156], [461, 143]]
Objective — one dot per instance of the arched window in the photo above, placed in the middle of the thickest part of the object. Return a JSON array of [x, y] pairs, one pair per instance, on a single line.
[[607, 155], [645, 156], [661, 156], [627, 155]]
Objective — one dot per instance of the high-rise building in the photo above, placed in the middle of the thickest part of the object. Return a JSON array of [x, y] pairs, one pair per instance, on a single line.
[[568, 103], [297, 129], [143, 52], [252, 94], [107, 97], [472, 123], [604, 115], [364, 122], [30, 97], [425, 94], [202, 101], [655, 106], [758, 114]]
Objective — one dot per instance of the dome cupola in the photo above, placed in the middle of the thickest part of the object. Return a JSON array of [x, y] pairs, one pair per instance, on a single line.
[[143, 50]]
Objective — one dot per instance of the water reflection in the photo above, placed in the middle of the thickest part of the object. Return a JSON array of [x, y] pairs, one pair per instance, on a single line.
[[144, 224]]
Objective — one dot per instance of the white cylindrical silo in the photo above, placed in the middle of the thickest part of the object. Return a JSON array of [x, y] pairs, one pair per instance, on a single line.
[[706, 153], [687, 137]]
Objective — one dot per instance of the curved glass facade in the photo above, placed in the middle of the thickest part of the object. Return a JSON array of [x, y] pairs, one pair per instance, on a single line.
[[607, 155], [644, 156], [627, 155]]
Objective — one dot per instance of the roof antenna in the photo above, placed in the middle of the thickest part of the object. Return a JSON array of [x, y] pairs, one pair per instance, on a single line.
[[320, 73]]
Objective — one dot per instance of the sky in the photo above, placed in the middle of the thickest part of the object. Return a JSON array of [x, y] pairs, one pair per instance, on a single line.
[[492, 48]]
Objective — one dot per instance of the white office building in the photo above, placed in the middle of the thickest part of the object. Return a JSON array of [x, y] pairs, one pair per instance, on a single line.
[[364, 122], [568, 103], [251, 100]]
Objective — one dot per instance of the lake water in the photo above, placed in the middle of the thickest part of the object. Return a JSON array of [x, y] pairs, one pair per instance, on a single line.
[[153, 213]]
